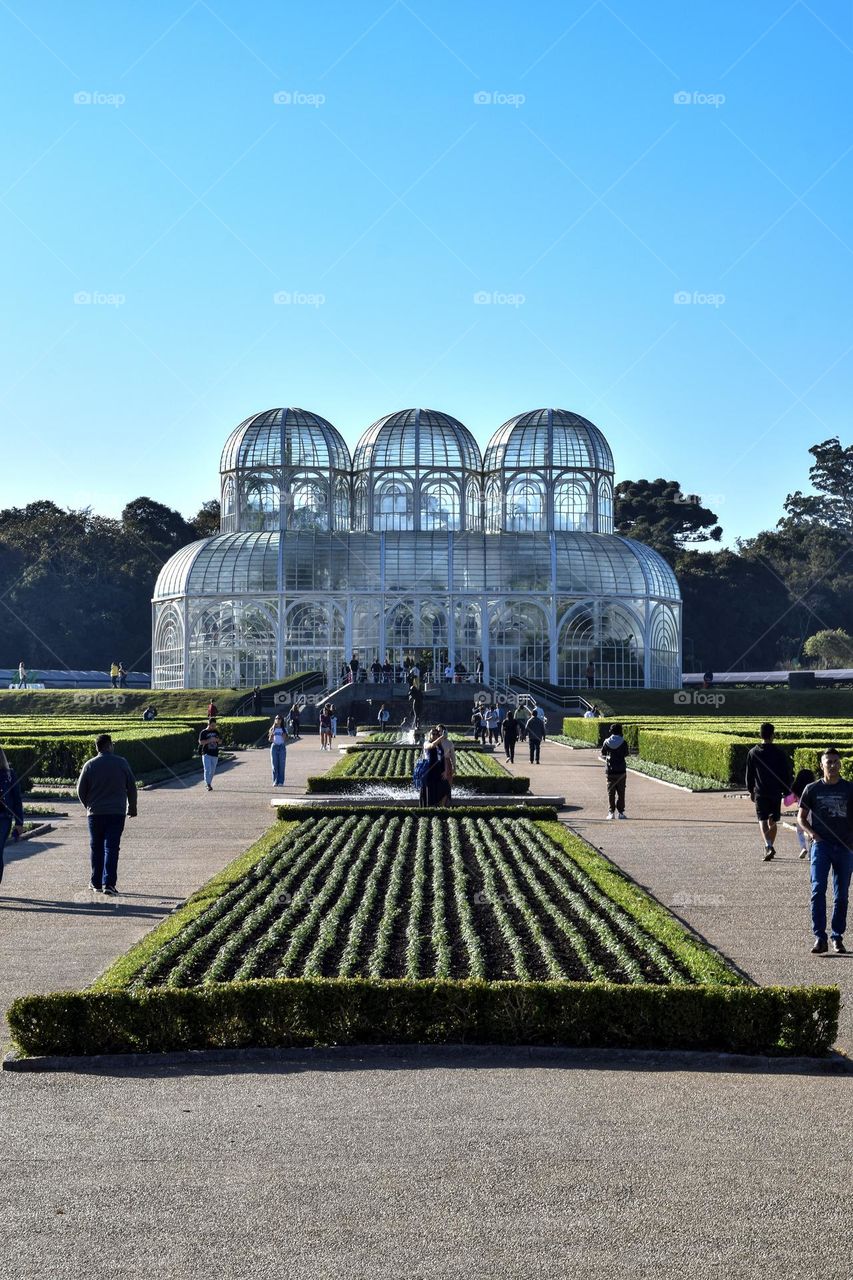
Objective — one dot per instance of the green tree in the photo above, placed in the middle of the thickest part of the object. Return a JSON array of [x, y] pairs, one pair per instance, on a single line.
[[658, 513], [832, 648], [832, 476], [206, 520]]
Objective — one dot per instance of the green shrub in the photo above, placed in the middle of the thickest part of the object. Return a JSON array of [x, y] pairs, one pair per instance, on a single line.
[[321, 1011]]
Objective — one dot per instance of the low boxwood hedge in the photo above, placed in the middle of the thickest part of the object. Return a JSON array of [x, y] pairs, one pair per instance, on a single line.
[[330, 784], [323, 1011]]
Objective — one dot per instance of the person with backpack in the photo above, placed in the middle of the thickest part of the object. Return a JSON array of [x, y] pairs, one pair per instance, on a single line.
[[383, 716], [479, 724], [614, 753], [277, 737], [11, 806], [768, 779], [209, 743]]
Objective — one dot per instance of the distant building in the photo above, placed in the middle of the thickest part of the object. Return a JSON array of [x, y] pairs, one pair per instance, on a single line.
[[417, 545]]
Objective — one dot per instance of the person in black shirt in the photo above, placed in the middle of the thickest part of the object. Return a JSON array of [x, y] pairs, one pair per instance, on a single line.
[[826, 815], [768, 779], [208, 742], [614, 753]]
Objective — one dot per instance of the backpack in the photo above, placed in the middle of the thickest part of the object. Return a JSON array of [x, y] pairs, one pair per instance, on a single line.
[[419, 777]]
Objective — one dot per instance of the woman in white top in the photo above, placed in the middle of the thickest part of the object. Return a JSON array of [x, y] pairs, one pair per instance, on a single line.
[[278, 750]]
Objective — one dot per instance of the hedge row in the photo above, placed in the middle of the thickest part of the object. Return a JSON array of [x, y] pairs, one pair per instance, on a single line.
[[65, 757], [329, 784], [323, 1011]]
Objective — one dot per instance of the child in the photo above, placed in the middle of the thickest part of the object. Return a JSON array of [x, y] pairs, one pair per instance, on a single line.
[[798, 786]]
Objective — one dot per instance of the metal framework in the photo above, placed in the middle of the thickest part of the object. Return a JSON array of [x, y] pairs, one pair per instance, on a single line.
[[417, 546]]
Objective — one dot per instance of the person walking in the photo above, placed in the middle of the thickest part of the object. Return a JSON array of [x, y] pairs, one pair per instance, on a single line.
[[614, 753], [11, 806], [792, 800], [353, 666], [325, 729], [209, 743], [493, 724], [768, 779], [107, 788], [431, 783], [257, 701], [352, 727], [590, 674], [826, 817], [114, 674], [383, 716], [295, 722], [22, 675], [478, 724], [212, 712], [122, 676], [535, 730], [509, 733], [333, 719], [277, 737]]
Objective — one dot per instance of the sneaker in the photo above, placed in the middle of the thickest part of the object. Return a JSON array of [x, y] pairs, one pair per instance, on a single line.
[[110, 890], [804, 853], [839, 947], [209, 787], [769, 853], [95, 888], [623, 816], [819, 947], [610, 816]]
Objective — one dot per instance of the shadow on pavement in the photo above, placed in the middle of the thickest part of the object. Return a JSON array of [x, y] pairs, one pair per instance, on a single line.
[[356, 1058]]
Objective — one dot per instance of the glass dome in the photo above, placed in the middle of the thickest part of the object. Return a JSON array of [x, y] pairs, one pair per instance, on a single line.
[[551, 438], [285, 437], [548, 470], [285, 469], [421, 438], [417, 469]]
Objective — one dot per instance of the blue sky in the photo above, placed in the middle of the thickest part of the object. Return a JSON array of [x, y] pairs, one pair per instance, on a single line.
[[383, 197]]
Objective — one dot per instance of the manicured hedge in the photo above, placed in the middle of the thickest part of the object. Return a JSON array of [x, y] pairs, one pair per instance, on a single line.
[[328, 784], [323, 1011]]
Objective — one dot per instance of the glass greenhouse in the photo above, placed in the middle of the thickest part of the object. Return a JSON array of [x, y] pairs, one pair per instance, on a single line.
[[417, 545]]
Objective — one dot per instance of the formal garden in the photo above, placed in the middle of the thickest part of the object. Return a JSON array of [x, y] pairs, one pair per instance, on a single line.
[[493, 924]]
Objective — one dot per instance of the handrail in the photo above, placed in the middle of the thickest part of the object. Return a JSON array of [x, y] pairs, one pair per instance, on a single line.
[[548, 694]]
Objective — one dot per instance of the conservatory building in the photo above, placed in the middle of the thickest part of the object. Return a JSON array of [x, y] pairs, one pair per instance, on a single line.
[[417, 545]]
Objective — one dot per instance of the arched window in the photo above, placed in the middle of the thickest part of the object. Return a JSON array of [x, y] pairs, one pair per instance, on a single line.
[[439, 505], [473, 507], [525, 506], [233, 642], [168, 649], [309, 506], [610, 638], [228, 522], [519, 642], [605, 507], [571, 506], [392, 504], [494, 507], [342, 504], [261, 505]]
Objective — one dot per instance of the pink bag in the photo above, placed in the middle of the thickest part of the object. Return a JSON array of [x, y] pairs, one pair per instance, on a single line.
[[791, 800]]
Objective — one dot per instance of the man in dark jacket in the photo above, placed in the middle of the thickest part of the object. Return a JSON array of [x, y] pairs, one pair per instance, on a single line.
[[614, 753], [768, 779], [107, 788], [535, 735], [509, 733]]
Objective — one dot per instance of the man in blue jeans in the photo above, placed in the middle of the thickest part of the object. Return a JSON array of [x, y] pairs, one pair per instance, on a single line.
[[826, 815], [107, 788]]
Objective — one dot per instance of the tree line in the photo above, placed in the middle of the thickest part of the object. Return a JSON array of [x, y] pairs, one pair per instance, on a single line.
[[75, 587]]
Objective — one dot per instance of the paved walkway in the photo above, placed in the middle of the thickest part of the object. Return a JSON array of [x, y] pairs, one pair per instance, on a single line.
[[430, 1163]]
